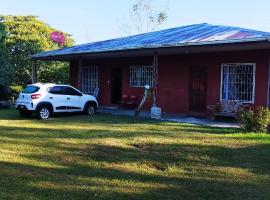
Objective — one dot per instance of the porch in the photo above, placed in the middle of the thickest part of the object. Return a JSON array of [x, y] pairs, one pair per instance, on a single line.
[[178, 118]]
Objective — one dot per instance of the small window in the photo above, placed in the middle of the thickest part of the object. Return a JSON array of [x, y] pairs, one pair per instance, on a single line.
[[57, 90], [30, 89], [141, 76], [238, 82], [71, 91], [89, 79]]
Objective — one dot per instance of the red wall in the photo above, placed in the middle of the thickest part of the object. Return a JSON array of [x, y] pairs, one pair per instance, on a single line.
[[173, 83]]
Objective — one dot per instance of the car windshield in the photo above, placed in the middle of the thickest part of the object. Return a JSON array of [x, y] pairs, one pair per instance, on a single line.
[[30, 89]]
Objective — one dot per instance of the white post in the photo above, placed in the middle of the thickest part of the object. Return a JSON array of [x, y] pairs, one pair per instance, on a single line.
[[155, 111]]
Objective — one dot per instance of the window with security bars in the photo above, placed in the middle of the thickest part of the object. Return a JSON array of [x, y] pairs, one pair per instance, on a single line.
[[238, 82], [141, 76], [89, 79]]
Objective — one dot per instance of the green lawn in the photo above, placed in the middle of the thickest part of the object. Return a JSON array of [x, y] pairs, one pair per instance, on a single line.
[[111, 157]]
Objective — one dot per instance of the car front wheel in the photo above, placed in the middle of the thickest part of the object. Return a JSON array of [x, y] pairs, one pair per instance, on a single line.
[[44, 112], [90, 109]]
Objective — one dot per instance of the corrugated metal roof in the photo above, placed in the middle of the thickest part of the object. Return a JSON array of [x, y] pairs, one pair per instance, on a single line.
[[198, 34]]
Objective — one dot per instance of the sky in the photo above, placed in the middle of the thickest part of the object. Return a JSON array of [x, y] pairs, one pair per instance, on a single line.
[[95, 20]]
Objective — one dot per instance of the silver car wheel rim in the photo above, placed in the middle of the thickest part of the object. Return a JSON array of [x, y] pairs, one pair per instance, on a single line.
[[44, 113], [91, 110]]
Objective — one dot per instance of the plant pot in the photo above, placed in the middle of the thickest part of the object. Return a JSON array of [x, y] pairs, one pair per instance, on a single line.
[[156, 113]]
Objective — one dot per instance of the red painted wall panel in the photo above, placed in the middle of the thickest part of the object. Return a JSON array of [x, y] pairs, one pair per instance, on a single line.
[[73, 73], [173, 84]]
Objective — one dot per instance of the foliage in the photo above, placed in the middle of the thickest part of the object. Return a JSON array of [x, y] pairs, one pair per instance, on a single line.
[[146, 16], [27, 35], [255, 120], [53, 72], [14, 91], [10, 93], [115, 157], [5, 68], [4, 93]]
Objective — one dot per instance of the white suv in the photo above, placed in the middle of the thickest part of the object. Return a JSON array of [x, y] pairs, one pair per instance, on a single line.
[[46, 99]]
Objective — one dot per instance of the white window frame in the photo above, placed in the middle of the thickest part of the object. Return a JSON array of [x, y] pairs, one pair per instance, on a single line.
[[148, 77], [90, 83], [254, 80]]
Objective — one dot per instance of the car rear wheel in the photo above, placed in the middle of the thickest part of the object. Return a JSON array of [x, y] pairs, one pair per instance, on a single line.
[[44, 112]]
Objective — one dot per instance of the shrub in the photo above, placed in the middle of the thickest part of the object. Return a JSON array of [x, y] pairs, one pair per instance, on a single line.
[[14, 91], [255, 120], [4, 93]]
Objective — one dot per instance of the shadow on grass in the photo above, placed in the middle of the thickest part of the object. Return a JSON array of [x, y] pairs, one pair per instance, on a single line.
[[163, 156], [81, 182]]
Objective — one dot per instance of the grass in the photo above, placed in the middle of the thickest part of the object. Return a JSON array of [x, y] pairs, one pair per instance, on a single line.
[[112, 157]]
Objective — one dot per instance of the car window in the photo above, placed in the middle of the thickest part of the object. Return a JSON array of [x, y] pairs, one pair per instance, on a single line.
[[71, 91], [30, 89], [57, 90]]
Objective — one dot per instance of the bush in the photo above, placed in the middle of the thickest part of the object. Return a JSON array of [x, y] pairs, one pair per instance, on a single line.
[[14, 91], [4, 93], [10, 93], [255, 120]]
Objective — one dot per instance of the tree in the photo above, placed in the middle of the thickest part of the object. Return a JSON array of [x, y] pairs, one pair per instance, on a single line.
[[27, 35], [145, 16], [5, 68]]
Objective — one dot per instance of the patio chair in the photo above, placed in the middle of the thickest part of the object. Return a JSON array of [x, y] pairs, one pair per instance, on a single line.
[[96, 92], [227, 109]]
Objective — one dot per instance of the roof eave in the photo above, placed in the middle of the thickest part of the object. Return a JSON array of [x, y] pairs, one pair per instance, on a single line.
[[249, 45]]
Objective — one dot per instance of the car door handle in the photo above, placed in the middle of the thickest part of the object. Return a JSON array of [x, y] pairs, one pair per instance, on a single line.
[[68, 98], [51, 98]]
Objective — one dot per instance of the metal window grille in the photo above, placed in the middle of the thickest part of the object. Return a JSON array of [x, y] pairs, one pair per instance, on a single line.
[[238, 82], [89, 79], [141, 76]]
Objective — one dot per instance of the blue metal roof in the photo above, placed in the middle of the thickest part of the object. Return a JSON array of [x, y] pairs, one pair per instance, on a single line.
[[198, 34]]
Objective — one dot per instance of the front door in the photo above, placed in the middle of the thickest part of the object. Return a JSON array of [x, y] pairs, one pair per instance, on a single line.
[[116, 83], [198, 89]]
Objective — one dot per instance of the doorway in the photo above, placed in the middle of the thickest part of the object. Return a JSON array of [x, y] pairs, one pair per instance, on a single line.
[[198, 89], [116, 86]]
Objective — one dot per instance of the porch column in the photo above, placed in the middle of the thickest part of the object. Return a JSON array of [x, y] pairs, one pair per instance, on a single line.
[[155, 79], [79, 83], [34, 72]]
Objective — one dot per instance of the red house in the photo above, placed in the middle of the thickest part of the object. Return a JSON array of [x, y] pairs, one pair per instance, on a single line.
[[198, 65]]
